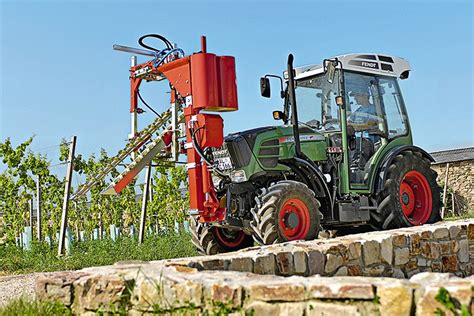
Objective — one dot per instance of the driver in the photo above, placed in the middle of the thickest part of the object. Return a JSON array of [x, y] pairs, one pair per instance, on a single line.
[[363, 119], [365, 115]]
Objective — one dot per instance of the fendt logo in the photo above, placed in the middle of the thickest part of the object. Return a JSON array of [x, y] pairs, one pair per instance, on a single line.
[[371, 65]]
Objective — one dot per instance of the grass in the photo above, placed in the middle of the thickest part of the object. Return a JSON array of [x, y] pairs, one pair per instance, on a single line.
[[33, 308], [449, 217], [43, 258]]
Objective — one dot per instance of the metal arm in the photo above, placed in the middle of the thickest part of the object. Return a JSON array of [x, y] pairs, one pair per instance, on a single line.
[[133, 50]]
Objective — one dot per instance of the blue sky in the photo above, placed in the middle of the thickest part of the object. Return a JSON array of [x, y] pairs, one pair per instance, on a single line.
[[60, 76]]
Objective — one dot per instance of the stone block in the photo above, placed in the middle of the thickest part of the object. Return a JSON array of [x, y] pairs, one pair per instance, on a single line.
[[398, 273], [300, 262], [471, 250], [415, 244], [454, 231], [449, 263], [339, 249], [332, 263], [445, 247], [242, 264], [60, 293], [354, 270], [399, 240], [401, 256], [412, 264], [316, 308], [339, 288], [268, 291], [374, 270], [355, 250], [431, 250], [212, 264], [426, 303], [264, 308], [57, 286], [284, 263], [470, 231], [395, 298], [422, 262], [101, 292], [463, 254], [264, 264], [230, 295], [413, 272], [316, 262], [342, 271], [371, 252], [454, 246], [436, 266], [426, 235], [386, 251], [441, 233]]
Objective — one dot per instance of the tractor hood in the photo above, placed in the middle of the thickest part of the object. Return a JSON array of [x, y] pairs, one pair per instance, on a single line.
[[260, 149], [250, 135]]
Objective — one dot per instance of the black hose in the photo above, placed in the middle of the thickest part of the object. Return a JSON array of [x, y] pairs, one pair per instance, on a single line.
[[162, 38], [201, 154], [146, 104]]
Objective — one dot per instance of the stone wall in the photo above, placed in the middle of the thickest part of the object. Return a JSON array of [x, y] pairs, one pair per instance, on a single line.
[[461, 180], [320, 277]]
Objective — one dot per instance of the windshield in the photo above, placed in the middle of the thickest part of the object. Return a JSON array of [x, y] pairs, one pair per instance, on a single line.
[[315, 98]]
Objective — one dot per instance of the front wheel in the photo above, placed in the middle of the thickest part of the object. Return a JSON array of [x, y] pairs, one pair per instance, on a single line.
[[210, 240], [286, 211], [410, 196]]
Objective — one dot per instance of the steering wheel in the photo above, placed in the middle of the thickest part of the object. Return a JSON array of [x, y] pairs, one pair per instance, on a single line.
[[314, 123]]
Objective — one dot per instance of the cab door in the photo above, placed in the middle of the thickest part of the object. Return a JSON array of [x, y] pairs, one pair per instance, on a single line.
[[366, 126], [375, 116]]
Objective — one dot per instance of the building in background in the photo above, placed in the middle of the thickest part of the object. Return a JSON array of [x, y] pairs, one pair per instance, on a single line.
[[460, 164]]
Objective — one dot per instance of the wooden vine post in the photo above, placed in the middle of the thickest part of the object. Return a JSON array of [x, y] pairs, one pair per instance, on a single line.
[[445, 190], [67, 189]]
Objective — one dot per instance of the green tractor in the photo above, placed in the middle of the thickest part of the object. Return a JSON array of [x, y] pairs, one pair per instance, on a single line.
[[343, 158]]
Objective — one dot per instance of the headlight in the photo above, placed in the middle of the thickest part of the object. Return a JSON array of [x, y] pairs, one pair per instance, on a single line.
[[216, 180], [238, 176]]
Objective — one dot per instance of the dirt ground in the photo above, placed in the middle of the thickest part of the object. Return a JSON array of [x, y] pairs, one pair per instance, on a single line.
[[17, 286]]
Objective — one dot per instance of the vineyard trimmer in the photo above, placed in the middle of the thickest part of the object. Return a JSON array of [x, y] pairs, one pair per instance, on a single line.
[[199, 82], [343, 157]]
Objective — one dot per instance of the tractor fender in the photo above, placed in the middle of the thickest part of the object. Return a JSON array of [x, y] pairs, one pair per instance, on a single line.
[[387, 161]]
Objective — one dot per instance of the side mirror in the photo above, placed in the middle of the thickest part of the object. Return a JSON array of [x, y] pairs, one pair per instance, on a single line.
[[265, 87], [331, 70], [279, 115]]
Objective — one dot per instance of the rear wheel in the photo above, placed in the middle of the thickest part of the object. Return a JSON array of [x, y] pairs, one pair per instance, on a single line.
[[210, 240], [410, 196], [286, 211]]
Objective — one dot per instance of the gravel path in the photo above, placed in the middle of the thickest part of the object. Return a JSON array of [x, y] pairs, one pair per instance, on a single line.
[[15, 286]]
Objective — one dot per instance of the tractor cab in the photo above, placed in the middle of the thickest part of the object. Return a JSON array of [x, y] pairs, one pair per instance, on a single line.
[[356, 102]]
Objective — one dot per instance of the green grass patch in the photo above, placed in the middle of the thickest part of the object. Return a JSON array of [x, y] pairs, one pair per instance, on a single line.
[[27, 308], [469, 214], [43, 258]]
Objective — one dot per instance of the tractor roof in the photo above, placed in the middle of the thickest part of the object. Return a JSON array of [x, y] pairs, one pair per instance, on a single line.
[[379, 64]]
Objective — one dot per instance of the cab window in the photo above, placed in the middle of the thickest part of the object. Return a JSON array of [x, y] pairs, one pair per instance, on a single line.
[[394, 109]]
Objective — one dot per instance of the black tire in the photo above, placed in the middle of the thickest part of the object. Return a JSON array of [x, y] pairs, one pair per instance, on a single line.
[[210, 240], [413, 170], [269, 205]]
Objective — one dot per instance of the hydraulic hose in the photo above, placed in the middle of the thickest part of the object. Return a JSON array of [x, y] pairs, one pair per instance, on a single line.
[[158, 36], [201, 153]]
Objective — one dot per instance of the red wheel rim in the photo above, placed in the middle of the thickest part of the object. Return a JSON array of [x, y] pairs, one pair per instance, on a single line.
[[229, 238], [294, 219], [415, 197]]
